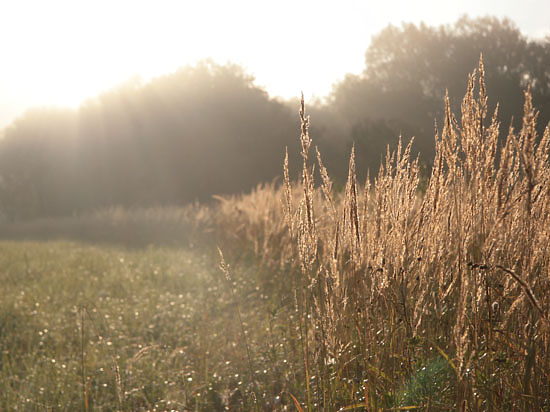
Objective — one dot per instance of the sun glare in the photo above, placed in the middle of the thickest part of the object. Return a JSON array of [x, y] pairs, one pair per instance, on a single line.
[[67, 51], [63, 51]]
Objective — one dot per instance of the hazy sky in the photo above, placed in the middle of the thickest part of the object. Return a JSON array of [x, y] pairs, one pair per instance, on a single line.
[[59, 52]]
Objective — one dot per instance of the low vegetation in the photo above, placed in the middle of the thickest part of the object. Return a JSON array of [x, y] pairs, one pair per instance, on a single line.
[[379, 296]]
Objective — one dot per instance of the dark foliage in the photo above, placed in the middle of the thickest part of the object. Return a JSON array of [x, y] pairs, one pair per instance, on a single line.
[[201, 131], [408, 70]]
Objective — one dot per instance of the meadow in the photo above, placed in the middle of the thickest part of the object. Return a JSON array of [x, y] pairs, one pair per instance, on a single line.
[[385, 295]]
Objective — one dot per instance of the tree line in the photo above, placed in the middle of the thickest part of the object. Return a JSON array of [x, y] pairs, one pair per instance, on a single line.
[[208, 129]]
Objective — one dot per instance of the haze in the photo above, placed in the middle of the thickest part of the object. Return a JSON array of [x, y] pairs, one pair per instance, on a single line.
[[62, 52]]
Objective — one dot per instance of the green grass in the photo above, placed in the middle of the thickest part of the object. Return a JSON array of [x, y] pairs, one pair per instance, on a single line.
[[430, 385], [71, 314]]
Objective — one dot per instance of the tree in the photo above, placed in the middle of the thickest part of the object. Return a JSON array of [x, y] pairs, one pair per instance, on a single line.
[[409, 69], [200, 131], [37, 160]]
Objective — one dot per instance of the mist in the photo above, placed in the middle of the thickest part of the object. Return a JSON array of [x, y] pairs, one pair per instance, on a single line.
[[208, 129]]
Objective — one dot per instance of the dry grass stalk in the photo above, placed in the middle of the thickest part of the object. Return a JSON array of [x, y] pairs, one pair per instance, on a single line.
[[386, 266]]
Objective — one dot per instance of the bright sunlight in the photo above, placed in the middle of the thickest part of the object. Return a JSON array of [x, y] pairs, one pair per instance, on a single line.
[[61, 52]]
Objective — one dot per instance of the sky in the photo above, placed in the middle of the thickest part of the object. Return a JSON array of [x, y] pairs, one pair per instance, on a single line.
[[61, 52]]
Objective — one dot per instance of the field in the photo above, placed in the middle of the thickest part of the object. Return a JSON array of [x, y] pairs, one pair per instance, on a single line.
[[381, 296], [103, 328]]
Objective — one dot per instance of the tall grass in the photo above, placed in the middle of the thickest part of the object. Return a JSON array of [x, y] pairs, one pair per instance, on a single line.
[[390, 281]]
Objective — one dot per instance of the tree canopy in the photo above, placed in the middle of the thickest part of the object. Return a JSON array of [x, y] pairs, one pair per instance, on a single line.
[[208, 129], [201, 131], [409, 68]]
